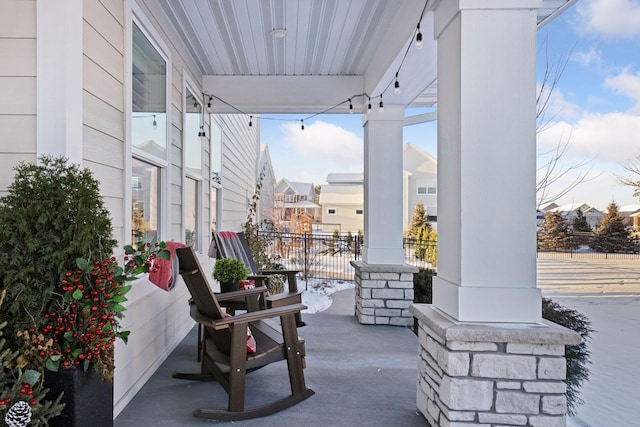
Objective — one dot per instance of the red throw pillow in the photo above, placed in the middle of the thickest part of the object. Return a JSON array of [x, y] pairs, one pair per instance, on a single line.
[[247, 284], [251, 342]]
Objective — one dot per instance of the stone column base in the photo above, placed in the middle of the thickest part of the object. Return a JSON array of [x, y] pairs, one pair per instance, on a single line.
[[491, 374], [384, 293]]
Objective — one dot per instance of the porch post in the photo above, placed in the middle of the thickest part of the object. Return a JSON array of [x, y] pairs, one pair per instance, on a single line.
[[487, 161], [59, 82], [384, 283], [486, 357]]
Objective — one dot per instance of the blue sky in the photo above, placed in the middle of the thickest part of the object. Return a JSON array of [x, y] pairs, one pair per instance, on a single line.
[[594, 109]]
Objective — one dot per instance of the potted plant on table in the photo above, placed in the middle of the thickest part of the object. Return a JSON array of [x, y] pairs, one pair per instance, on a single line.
[[229, 272], [64, 289]]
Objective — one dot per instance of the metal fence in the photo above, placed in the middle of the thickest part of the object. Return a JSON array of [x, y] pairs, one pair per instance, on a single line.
[[326, 256], [589, 246]]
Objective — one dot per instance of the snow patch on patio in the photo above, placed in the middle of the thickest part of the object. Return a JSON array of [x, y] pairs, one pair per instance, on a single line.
[[316, 294]]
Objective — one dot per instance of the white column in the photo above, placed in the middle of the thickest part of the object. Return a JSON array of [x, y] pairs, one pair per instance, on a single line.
[[383, 186], [487, 160], [59, 78]]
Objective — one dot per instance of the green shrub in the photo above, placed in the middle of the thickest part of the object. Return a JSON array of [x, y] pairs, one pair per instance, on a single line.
[[230, 270], [577, 356], [53, 213]]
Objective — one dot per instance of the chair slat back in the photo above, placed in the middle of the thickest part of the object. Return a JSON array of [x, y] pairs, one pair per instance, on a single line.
[[234, 245], [196, 281]]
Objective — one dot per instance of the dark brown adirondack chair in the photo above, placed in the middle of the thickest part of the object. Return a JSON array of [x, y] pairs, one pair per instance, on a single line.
[[224, 354], [234, 245]]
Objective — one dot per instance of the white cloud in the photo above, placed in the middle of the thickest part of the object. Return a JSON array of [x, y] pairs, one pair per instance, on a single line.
[[610, 18], [592, 57], [557, 106], [611, 137], [626, 84], [319, 149]]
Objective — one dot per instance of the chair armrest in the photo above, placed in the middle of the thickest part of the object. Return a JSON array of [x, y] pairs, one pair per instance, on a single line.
[[243, 293], [245, 317]]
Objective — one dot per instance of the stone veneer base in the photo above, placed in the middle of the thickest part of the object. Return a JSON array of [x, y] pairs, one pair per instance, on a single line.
[[384, 293], [490, 375]]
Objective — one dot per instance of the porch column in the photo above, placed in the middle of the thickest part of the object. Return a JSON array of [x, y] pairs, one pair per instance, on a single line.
[[384, 283], [487, 161], [486, 357], [59, 79]]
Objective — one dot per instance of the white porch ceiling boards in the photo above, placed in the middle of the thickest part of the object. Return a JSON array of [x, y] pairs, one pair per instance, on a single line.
[[333, 49]]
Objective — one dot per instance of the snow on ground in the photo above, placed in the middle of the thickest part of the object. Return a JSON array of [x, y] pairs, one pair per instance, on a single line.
[[608, 293], [316, 294]]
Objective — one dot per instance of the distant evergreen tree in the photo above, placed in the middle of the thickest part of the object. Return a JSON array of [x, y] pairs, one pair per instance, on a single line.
[[580, 222], [419, 221], [554, 235], [611, 234], [581, 229]]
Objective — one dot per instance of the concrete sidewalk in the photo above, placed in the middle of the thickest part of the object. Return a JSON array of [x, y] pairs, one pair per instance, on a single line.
[[362, 375]]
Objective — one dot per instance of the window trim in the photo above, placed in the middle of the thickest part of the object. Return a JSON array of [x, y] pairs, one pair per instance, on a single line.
[[189, 84], [135, 15]]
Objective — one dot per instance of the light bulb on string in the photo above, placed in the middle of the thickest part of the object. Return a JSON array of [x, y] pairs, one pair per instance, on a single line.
[[350, 107], [369, 105], [209, 104], [302, 126], [250, 123], [155, 123], [396, 86], [381, 105], [419, 38]]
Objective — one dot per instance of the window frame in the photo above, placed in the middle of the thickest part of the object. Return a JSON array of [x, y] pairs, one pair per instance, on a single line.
[[137, 17]]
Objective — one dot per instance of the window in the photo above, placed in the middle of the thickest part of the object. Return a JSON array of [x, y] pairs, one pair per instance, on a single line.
[[148, 136], [149, 97], [426, 186], [359, 211], [331, 211], [145, 198], [192, 143], [191, 213]]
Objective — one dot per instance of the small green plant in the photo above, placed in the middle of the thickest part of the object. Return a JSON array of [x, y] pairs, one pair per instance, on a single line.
[[230, 270]]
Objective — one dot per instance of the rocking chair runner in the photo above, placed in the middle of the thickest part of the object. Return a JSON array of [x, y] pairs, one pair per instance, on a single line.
[[234, 245], [224, 355]]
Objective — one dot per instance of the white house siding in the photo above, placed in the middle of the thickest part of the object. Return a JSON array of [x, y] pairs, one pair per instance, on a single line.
[[17, 86], [239, 143]]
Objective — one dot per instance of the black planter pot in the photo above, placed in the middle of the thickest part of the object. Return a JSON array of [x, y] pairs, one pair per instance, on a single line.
[[229, 286], [88, 399]]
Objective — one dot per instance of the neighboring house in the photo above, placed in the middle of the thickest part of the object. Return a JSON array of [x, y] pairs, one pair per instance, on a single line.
[[627, 212], [342, 201], [569, 212], [266, 202], [295, 200], [342, 198], [119, 93], [420, 183]]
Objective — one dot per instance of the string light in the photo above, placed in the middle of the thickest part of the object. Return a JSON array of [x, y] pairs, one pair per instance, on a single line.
[[155, 123], [209, 103], [394, 81]]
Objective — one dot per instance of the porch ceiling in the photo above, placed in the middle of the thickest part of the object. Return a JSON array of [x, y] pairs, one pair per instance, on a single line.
[[333, 49]]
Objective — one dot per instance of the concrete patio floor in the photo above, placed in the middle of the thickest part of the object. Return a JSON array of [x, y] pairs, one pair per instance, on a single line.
[[362, 375]]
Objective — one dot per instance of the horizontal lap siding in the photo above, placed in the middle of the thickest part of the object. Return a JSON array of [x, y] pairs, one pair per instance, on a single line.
[[17, 86], [240, 149]]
